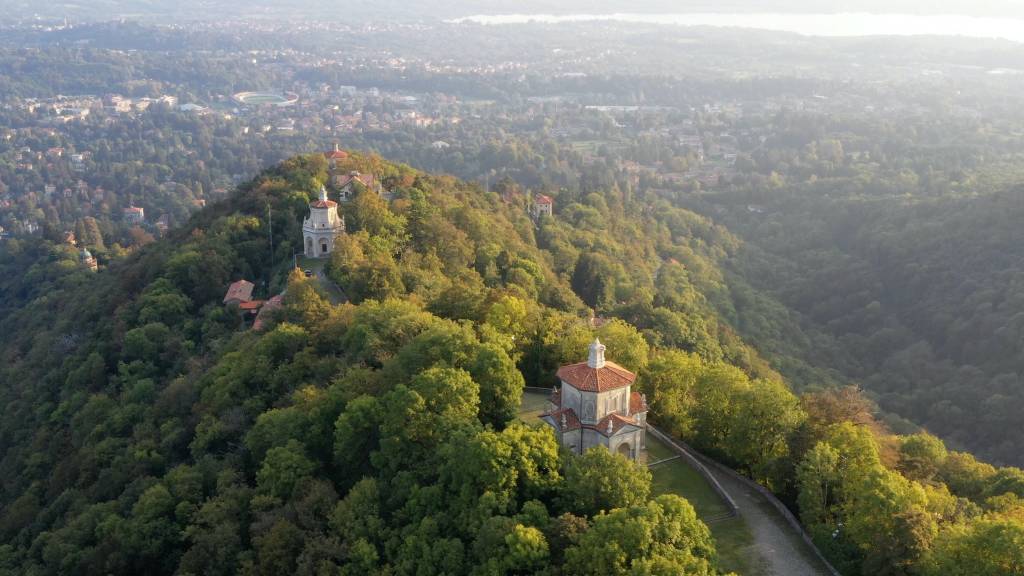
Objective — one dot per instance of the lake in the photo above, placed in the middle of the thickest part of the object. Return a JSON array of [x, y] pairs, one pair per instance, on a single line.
[[841, 24]]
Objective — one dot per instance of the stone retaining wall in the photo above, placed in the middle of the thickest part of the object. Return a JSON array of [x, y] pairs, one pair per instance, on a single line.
[[783, 510], [697, 465]]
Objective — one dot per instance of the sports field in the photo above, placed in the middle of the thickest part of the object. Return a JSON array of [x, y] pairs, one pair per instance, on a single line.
[[265, 98]]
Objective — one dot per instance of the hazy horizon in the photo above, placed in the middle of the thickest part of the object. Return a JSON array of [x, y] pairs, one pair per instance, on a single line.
[[399, 10], [846, 24]]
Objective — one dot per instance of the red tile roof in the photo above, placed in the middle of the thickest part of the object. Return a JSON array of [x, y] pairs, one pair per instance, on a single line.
[[572, 422], [637, 403], [336, 154], [543, 199], [364, 179], [618, 422], [241, 291], [273, 304], [323, 204], [583, 377], [251, 305]]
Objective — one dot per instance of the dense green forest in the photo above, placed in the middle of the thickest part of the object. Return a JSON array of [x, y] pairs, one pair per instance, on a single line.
[[146, 430], [905, 272], [929, 315]]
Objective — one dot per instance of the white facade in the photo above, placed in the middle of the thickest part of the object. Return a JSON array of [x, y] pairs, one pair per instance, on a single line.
[[597, 407], [542, 206], [321, 227]]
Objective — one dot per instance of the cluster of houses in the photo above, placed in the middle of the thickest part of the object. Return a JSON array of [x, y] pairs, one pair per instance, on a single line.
[[27, 159], [239, 295], [63, 109]]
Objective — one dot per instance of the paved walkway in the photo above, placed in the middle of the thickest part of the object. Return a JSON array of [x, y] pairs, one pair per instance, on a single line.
[[783, 552], [334, 292]]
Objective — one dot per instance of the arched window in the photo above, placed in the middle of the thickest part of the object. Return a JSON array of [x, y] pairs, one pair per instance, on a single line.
[[625, 450]]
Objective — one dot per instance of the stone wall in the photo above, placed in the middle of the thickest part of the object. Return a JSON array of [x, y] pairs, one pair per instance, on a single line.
[[686, 454], [722, 468]]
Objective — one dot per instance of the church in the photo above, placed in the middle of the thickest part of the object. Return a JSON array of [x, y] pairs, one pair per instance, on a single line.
[[596, 406], [322, 226]]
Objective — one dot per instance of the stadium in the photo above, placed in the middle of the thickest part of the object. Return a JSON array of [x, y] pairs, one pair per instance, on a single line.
[[266, 99]]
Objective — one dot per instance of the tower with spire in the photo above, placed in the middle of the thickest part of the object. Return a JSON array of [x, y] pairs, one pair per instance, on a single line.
[[596, 406], [322, 226]]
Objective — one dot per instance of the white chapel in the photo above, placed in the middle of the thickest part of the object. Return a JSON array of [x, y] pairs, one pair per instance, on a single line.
[[322, 226], [596, 406]]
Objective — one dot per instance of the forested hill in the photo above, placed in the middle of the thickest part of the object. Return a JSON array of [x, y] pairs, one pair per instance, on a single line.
[[919, 299], [146, 429]]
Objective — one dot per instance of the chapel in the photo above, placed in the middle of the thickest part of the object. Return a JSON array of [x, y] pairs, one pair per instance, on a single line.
[[596, 406], [322, 226]]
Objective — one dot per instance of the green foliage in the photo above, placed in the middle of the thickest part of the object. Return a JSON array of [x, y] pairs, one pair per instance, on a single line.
[[988, 547], [283, 468], [662, 536], [379, 436], [921, 456], [600, 481]]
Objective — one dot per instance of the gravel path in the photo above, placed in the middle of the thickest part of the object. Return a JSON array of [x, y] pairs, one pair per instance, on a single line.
[[782, 551], [334, 292]]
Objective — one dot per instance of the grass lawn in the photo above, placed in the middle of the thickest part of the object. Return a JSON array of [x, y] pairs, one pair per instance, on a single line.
[[314, 264], [678, 477], [733, 539], [533, 404], [737, 551]]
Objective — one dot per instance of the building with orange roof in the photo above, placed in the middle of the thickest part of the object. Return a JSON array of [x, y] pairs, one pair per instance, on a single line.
[[596, 406], [322, 226], [543, 205], [238, 293], [268, 308], [335, 156], [346, 184], [134, 215]]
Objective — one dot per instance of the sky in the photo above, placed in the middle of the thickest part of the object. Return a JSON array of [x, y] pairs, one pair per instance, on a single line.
[[445, 9]]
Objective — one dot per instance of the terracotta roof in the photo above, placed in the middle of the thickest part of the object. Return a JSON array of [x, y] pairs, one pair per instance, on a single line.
[[133, 210], [251, 305], [618, 422], [636, 403], [572, 422], [364, 179], [241, 291], [323, 204], [336, 154], [583, 377], [543, 199], [273, 304]]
